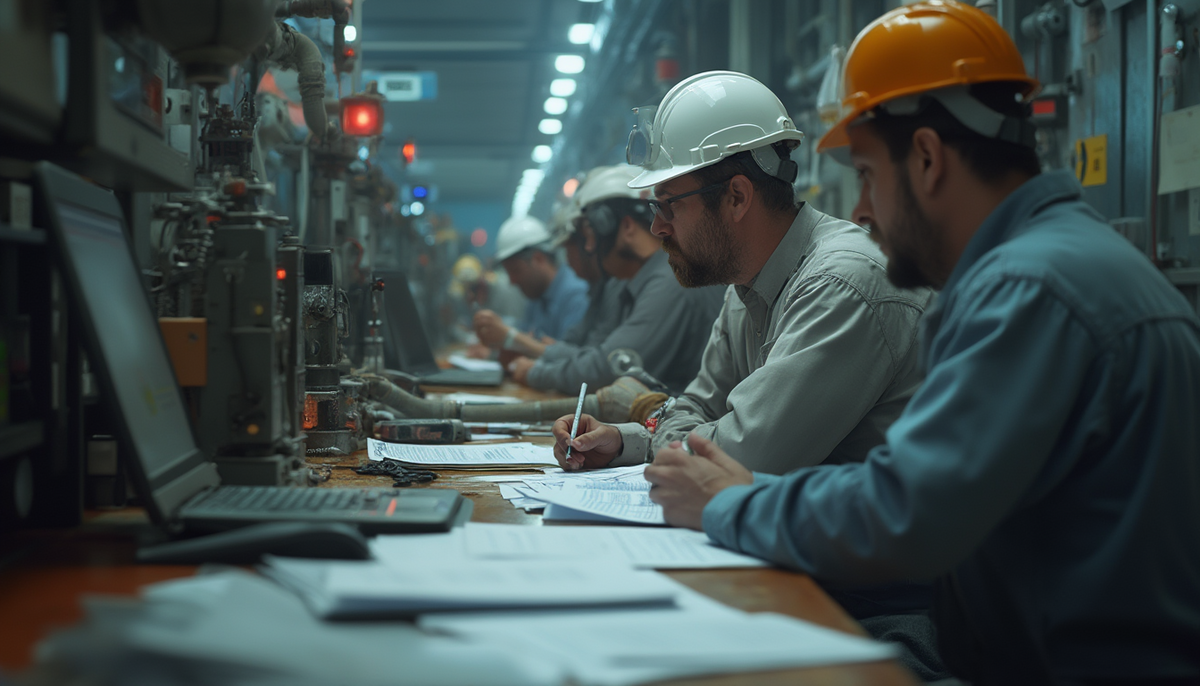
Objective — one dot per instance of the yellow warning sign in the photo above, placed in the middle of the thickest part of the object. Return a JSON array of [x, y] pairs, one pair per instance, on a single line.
[[1091, 160]]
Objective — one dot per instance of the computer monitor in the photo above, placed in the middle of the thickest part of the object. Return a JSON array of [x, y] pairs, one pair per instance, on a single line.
[[121, 333], [406, 344]]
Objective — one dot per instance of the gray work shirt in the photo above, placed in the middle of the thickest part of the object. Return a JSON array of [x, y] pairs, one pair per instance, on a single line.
[[810, 363], [602, 316], [665, 323]]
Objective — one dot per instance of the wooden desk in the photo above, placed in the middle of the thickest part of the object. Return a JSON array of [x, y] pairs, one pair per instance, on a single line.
[[44, 574]]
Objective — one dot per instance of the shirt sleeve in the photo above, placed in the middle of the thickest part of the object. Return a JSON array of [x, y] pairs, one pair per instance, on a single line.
[[704, 400], [1004, 382], [635, 445], [652, 328], [828, 366]]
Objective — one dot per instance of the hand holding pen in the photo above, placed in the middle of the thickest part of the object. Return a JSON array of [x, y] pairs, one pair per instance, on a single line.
[[594, 445]]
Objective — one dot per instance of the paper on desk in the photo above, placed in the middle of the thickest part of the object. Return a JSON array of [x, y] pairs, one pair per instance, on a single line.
[[621, 501], [490, 437], [236, 627], [625, 647], [337, 589], [479, 399], [473, 365], [500, 455], [420, 549], [646, 548]]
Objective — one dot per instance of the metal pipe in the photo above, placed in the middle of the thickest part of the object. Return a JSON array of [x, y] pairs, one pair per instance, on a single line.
[[291, 49], [609, 404]]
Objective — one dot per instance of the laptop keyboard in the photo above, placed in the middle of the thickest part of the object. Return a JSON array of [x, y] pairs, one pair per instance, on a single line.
[[277, 499]]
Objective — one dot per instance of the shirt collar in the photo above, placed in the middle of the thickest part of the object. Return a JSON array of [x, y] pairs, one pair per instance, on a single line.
[[1012, 215], [785, 260]]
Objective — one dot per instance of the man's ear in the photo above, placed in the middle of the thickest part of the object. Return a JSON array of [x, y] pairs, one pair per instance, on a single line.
[[927, 161], [739, 196]]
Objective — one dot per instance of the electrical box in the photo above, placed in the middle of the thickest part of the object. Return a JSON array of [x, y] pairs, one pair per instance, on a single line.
[[187, 344]]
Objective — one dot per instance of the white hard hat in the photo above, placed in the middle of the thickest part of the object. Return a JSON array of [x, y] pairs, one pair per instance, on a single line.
[[609, 183], [520, 233], [605, 183], [704, 119]]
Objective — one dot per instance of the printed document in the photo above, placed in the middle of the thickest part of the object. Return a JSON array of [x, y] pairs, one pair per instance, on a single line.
[[648, 548], [622, 501], [501, 455]]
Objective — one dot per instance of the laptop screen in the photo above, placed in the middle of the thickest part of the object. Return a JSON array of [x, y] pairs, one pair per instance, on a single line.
[[405, 346], [124, 342]]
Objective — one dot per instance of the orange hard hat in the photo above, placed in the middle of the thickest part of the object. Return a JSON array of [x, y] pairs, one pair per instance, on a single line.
[[922, 47]]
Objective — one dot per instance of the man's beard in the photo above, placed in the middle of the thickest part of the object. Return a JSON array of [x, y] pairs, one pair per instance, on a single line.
[[713, 259], [912, 245]]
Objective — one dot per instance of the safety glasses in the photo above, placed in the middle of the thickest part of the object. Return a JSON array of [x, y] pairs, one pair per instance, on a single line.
[[662, 208], [642, 148]]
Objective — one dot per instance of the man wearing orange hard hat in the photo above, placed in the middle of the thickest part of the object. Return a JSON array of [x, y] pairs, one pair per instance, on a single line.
[[1046, 475]]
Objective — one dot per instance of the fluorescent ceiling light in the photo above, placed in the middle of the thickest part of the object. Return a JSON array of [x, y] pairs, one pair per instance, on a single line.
[[591, 0], [550, 127], [555, 106], [350, 33], [542, 154], [562, 88], [569, 64], [581, 34]]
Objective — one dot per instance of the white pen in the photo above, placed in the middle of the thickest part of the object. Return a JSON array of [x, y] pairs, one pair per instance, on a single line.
[[578, 411]]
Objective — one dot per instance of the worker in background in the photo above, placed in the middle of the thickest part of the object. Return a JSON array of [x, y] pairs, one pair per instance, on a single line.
[[661, 321], [604, 292], [814, 353], [557, 297], [473, 288], [1047, 472]]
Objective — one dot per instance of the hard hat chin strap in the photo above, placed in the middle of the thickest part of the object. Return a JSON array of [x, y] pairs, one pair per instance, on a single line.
[[970, 112]]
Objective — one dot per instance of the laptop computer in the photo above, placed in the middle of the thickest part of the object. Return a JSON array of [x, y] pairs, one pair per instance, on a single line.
[[406, 346], [178, 483]]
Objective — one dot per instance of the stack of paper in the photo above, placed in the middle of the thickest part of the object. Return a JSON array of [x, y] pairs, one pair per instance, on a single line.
[[624, 647], [499, 456], [644, 548], [473, 365], [620, 495], [375, 589], [235, 627]]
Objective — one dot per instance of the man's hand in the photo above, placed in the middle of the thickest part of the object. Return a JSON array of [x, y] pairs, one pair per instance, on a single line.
[[519, 368], [490, 328], [683, 484], [596, 443]]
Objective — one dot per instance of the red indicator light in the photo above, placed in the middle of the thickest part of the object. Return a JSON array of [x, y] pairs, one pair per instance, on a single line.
[[281, 273], [409, 151], [362, 116], [1044, 107]]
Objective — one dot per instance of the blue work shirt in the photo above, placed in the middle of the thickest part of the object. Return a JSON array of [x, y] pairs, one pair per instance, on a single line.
[[559, 308], [1047, 472]]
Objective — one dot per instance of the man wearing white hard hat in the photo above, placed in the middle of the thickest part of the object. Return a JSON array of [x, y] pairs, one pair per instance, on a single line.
[[814, 353], [557, 297], [662, 322]]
